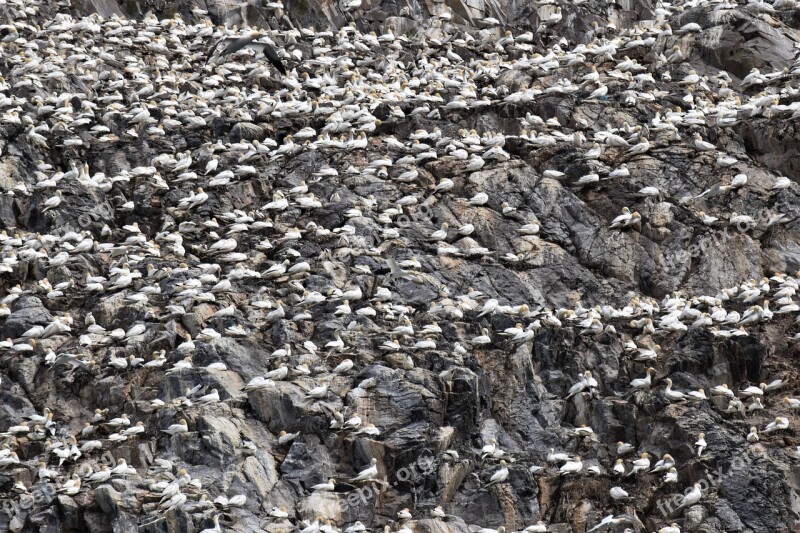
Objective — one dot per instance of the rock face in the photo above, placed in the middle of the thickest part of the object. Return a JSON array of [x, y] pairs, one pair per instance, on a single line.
[[205, 254]]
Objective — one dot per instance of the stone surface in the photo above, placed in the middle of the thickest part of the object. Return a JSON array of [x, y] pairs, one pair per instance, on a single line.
[[509, 391]]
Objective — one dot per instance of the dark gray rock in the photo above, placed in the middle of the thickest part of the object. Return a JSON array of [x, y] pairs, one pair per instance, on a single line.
[[26, 311]]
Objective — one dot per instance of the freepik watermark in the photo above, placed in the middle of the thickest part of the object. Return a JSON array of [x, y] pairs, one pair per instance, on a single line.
[[669, 505], [718, 239], [101, 213], [376, 235], [422, 467], [43, 493], [422, 213]]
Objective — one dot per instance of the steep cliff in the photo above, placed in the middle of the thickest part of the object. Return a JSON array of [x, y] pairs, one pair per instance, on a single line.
[[613, 301]]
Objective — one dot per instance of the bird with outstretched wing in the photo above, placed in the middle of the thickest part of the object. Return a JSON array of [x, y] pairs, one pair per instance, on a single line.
[[250, 40]]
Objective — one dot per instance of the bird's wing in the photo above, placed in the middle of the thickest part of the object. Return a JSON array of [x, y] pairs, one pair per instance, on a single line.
[[215, 46], [396, 271], [242, 42], [249, 41], [71, 361], [273, 57], [233, 42]]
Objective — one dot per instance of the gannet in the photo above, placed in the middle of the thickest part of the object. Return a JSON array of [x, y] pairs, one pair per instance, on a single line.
[[774, 384], [792, 403], [722, 390], [664, 464], [318, 392], [643, 383], [285, 437], [702, 145], [624, 448], [606, 522], [368, 473], [672, 395], [753, 391], [571, 466], [640, 465], [325, 487], [500, 475], [778, 424], [700, 444], [691, 497], [697, 395], [618, 493], [174, 429], [249, 40]]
